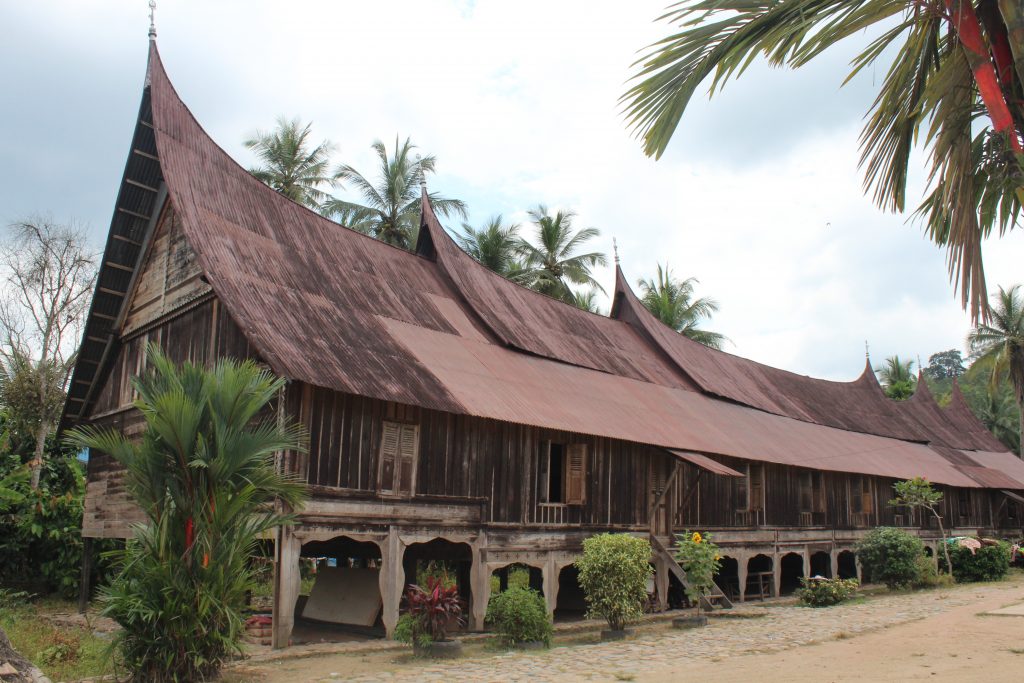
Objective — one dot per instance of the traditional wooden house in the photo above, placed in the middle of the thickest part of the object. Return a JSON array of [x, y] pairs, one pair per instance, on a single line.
[[456, 415]]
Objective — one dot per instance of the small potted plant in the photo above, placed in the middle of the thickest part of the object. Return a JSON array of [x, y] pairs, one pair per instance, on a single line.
[[521, 619], [430, 614], [614, 570], [699, 558]]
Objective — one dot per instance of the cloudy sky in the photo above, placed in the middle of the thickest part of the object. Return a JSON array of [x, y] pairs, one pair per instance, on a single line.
[[758, 196]]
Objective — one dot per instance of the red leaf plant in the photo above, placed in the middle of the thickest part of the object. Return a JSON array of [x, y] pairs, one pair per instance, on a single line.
[[435, 609]]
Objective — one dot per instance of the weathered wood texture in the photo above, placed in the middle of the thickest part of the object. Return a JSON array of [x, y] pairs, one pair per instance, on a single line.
[[170, 276], [478, 459], [200, 332]]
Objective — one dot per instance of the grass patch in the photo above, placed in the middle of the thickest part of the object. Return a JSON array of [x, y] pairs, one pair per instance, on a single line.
[[1017, 650], [623, 676], [64, 653]]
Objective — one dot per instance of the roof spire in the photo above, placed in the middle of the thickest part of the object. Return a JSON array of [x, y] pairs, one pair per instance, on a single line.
[[152, 21], [615, 250], [867, 350]]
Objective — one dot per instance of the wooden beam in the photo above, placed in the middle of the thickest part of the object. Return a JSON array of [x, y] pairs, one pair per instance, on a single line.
[[147, 155], [141, 186], [115, 292], [119, 266], [129, 241], [104, 316], [134, 213], [147, 124], [102, 340]]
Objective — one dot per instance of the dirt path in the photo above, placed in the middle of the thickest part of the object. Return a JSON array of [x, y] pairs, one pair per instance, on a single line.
[[959, 645], [934, 635]]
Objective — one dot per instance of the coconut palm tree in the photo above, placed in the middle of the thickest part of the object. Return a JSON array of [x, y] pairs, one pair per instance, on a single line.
[[391, 205], [953, 86], [673, 302], [553, 263], [204, 476], [291, 164], [999, 413], [494, 244], [586, 300], [1002, 340], [897, 378]]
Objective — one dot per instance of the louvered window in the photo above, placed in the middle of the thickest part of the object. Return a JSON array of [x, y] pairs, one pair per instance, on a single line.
[[399, 447]]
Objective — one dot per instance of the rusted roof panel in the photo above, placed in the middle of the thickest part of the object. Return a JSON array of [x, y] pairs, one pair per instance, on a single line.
[[538, 324], [337, 309], [706, 463], [307, 293], [499, 383]]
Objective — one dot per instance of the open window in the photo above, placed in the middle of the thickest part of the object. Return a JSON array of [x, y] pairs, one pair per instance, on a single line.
[[399, 450], [562, 473], [862, 502], [811, 497]]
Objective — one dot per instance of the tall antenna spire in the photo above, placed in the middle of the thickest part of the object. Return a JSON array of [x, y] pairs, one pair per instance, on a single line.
[[152, 21], [615, 250]]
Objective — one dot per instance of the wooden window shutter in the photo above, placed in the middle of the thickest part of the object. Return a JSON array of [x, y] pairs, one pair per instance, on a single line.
[[407, 450], [389, 445], [576, 474], [757, 487]]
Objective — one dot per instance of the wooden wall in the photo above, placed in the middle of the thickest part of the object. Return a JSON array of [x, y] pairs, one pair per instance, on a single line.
[[200, 332]]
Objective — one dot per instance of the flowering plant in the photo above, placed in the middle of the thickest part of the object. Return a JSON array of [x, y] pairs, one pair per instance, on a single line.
[[700, 559]]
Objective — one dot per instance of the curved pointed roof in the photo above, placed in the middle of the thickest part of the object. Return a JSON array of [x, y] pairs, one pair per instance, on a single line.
[[334, 308]]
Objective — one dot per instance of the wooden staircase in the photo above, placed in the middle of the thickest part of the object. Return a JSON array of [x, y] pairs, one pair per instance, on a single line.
[[716, 599]]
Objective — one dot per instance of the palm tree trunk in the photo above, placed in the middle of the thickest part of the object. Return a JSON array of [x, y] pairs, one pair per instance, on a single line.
[[1013, 17], [968, 31]]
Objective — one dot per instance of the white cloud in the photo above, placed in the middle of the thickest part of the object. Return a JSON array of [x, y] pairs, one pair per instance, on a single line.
[[759, 196]]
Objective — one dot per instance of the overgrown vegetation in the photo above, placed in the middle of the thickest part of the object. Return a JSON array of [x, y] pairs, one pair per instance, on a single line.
[[520, 615], [64, 653], [821, 592], [204, 475], [890, 556], [613, 573], [989, 562]]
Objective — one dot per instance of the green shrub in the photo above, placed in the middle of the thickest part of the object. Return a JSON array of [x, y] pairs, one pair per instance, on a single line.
[[826, 592], [613, 573], [890, 556], [409, 631], [520, 615], [928, 575], [988, 563]]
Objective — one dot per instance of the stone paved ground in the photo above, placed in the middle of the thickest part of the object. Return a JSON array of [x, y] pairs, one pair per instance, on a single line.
[[656, 648]]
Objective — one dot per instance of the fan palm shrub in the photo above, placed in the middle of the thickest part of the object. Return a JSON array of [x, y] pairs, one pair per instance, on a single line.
[[204, 475]]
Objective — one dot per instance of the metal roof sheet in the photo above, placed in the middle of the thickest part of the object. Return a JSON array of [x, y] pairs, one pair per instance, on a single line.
[[704, 462]]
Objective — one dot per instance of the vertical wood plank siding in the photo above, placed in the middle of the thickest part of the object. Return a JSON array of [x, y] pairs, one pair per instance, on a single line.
[[477, 458]]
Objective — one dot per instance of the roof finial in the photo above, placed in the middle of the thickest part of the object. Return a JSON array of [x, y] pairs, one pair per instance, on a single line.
[[867, 350], [615, 250], [152, 21]]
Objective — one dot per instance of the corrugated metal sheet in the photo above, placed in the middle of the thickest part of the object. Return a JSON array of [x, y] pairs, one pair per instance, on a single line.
[[704, 462], [496, 382], [336, 309]]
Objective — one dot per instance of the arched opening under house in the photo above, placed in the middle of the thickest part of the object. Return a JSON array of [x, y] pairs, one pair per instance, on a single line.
[[847, 565], [821, 564], [791, 569], [728, 577], [760, 580]]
